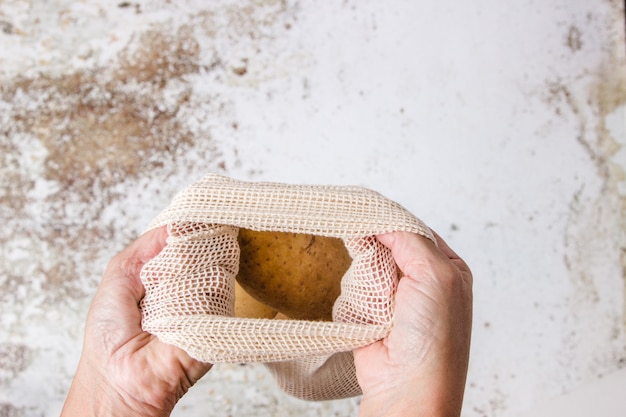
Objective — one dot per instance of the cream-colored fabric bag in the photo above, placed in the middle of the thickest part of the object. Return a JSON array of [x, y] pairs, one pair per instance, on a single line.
[[190, 293]]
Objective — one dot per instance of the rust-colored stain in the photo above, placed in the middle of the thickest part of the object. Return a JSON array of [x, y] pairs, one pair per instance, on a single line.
[[101, 126], [97, 128], [80, 144], [14, 358]]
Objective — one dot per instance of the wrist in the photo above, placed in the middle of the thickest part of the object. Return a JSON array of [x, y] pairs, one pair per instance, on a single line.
[[397, 406], [378, 407], [91, 394], [427, 397], [401, 407]]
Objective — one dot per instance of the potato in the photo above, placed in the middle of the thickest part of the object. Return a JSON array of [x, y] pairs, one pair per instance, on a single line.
[[247, 307], [298, 275]]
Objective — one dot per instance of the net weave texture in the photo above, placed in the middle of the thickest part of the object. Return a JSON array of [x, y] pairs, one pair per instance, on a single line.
[[190, 296]]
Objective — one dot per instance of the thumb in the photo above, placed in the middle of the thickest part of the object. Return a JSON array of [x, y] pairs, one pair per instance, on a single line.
[[415, 255], [125, 267]]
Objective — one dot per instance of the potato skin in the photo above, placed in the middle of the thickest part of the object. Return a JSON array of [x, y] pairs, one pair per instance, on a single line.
[[248, 307], [298, 275]]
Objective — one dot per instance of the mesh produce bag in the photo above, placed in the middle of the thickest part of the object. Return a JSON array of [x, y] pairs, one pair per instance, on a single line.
[[189, 299]]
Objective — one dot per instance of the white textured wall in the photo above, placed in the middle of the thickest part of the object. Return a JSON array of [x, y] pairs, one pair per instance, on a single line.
[[500, 124]]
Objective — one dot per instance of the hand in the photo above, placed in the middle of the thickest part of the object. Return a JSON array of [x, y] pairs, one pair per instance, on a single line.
[[420, 368], [124, 371]]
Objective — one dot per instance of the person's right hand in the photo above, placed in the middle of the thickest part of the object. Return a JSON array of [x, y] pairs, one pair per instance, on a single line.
[[420, 368]]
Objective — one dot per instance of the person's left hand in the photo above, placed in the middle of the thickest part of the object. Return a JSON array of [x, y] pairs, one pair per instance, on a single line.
[[124, 371]]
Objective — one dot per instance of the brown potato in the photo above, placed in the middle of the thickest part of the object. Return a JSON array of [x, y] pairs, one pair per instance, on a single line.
[[247, 307], [298, 275]]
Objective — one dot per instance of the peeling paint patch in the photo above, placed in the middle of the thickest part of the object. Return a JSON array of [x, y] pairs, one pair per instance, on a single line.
[[86, 140], [99, 127], [9, 410], [14, 358], [593, 101], [574, 39], [69, 140]]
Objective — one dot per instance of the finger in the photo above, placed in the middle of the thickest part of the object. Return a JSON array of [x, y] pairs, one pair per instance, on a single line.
[[125, 267], [407, 248], [416, 255], [443, 246], [451, 254], [148, 245]]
